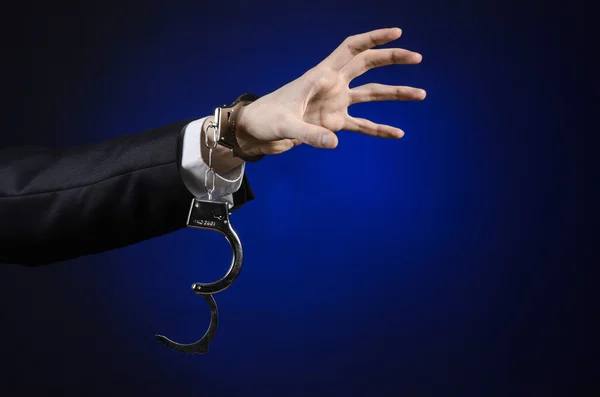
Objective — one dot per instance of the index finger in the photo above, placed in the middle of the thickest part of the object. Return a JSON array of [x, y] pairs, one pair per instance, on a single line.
[[354, 45]]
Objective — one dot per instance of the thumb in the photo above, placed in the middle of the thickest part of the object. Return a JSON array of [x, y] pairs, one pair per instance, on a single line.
[[310, 134]]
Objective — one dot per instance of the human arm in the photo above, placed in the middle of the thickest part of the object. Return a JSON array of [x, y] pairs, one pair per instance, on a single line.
[[58, 204]]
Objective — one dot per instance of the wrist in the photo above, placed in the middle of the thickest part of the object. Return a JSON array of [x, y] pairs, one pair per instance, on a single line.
[[242, 135], [223, 159], [234, 130]]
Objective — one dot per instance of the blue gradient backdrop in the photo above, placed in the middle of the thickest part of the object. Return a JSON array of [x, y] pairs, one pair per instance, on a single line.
[[435, 265]]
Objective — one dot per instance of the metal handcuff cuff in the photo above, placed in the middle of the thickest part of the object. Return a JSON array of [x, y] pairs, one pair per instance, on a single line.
[[214, 215]]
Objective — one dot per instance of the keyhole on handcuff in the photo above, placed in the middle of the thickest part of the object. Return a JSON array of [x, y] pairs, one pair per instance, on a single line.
[[228, 116], [218, 215]]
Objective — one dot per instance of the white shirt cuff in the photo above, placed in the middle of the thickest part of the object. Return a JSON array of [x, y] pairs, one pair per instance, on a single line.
[[193, 168]]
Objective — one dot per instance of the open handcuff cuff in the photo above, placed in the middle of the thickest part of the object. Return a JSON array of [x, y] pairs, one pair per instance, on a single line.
[[212, 214]]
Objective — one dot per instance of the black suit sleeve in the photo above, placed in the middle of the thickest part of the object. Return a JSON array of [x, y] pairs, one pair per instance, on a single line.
[[59, 204]]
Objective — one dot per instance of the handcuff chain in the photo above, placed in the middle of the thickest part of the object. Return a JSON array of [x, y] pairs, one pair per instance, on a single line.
[[209, 174]]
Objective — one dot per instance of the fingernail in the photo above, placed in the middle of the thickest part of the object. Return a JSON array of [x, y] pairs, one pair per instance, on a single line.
[[325, 140]]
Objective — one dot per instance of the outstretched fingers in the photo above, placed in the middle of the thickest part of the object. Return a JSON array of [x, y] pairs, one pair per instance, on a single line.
[[374, 92], [298, 131], [354, 45], [371, 59], [368, 127]]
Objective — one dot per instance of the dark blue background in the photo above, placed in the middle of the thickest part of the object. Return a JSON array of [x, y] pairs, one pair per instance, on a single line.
[[440, 264]]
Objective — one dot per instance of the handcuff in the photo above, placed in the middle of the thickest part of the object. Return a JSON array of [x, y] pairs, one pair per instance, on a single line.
[[214, 215]]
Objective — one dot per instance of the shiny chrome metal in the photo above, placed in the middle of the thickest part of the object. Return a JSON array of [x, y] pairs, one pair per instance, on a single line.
[[211, 215], [201, 345]]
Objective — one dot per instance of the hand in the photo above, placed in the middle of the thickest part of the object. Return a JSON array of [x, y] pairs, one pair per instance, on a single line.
[[313, 107]]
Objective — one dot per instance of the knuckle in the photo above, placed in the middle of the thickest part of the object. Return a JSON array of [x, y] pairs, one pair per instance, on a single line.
[[350, 44], [361, 124], [349, 40], [322, 80], [373, 39], [373, 94], [375, 87], [305, 136], [400, 91], [371, 59], [398, 54]]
